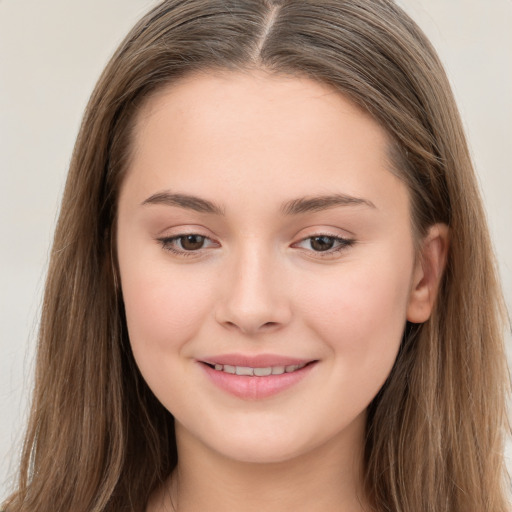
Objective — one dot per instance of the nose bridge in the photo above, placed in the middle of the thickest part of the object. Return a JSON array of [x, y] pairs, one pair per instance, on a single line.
[[254, 298]]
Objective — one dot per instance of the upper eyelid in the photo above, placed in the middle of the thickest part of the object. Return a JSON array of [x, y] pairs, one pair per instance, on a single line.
[[190, 233], [326, 233], [184, 230], [326, 230]]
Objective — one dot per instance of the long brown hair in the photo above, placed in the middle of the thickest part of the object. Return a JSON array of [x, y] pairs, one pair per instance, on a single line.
[[98, 440]]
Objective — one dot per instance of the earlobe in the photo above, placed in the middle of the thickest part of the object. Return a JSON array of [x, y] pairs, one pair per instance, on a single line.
[[428, 273]]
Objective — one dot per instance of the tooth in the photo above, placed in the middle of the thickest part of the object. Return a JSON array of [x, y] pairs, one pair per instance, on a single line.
[[259, 372], [262, 372], [244, 370]]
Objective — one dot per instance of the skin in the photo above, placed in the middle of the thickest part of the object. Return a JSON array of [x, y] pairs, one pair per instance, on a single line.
[[250, 143]]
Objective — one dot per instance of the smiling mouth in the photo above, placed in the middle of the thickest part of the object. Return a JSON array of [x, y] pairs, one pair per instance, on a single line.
[[256, 378], [257, 372]]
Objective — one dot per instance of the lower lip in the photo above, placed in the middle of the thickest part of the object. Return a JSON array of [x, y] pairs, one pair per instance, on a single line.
[[256, 388]]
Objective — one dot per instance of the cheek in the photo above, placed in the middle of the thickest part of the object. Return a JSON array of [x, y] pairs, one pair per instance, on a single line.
[[360, 313], [164, 309]]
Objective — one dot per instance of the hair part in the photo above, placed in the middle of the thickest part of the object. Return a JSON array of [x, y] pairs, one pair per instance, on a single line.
[[98, 439]]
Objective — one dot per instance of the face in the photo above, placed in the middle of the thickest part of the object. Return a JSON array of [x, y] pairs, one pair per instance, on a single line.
[[266, 261]]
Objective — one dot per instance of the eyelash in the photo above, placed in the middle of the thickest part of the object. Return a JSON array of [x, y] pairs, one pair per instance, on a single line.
[[169, 244], [342, 244]]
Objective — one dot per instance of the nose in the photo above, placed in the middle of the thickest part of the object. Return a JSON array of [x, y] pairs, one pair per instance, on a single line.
[[254, 298]]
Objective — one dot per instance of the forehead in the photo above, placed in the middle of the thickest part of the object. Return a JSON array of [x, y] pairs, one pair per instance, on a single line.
[[218, 84], [232, 132], [249, 100]]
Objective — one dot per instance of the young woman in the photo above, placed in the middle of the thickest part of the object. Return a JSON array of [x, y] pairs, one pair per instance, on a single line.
[[271, 286]]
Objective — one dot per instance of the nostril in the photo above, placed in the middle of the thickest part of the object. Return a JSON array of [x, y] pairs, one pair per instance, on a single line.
[[246, 328]]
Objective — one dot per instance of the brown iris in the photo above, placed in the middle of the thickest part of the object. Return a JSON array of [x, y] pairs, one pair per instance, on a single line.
[[322, 243], [191, 242]]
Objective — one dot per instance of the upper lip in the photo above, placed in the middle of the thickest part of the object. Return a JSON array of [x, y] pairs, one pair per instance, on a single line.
[[255, 361]]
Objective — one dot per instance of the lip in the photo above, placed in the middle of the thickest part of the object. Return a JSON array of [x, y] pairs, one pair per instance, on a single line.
[[255, 387]]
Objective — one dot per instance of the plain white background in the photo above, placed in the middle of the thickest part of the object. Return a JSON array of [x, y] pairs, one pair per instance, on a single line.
[[51, 54]]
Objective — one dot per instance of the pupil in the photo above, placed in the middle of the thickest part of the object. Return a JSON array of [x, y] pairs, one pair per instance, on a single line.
[[192, 242], [322, 243]]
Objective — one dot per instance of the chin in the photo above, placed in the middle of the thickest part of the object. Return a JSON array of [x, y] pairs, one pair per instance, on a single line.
[[262, 447], [263, 454]]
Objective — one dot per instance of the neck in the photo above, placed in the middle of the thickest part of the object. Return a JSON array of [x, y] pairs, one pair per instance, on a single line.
[[327, 479]]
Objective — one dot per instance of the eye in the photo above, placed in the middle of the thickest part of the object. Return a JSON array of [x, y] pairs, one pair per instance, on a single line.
[[324, 243], [187, 243]]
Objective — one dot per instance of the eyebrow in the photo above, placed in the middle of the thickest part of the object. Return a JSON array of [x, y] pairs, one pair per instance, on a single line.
[[319, 203], [184, 201], [293, 207]]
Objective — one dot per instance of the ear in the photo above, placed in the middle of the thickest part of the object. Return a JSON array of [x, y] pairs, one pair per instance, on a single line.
[[427, 274]]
